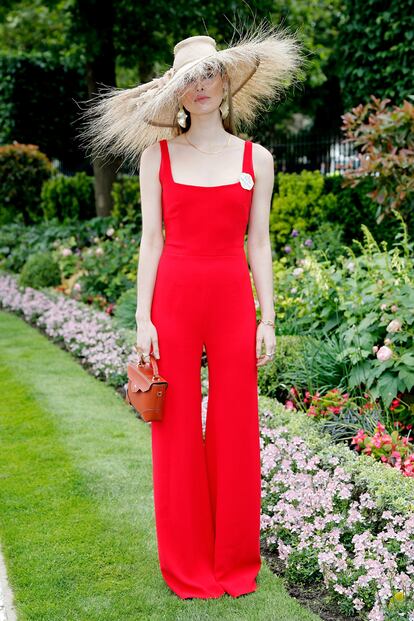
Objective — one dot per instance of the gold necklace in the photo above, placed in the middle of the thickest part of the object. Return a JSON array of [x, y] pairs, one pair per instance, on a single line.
[[208, 152]]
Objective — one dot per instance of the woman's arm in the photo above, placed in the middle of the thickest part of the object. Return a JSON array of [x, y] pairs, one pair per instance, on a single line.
[[258, 244], [150, 249]]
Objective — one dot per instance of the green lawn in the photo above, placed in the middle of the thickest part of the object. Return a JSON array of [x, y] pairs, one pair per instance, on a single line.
[[76, 507]]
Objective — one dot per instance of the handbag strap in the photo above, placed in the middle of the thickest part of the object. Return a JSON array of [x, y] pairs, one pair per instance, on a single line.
[[153, 362]]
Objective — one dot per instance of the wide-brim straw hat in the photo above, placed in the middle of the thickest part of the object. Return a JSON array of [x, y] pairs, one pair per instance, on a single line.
[[263, 63]]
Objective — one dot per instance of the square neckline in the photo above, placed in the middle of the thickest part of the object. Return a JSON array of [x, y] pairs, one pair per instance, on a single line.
[[188, 185]]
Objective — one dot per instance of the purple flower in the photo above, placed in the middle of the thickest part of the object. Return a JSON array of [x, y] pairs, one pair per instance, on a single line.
[[308, 242], [309, 506], [295, 233], [86, 332], [287, 249]]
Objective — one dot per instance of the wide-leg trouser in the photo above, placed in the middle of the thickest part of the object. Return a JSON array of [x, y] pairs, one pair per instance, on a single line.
[[207, 493]]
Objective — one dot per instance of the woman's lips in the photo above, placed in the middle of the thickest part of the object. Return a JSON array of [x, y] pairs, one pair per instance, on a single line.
[[202, 98]]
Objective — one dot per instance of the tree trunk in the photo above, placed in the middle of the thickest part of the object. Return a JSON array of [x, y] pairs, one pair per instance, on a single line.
[[104, 177], [100, 70]]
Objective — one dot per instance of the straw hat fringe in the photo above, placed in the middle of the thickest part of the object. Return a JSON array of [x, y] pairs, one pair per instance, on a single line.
[[122, 122]]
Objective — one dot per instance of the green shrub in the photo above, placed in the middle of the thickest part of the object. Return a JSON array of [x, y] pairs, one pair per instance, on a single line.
[[23, 170], [110, 266], [68, 198], [126, 200], [316, 365], [125, 309], [303, 568], [324, 209], [326, 239], [367, 300], [18, 242], [385, 138], [355, 207], [300, 203], [289, 350], [40, 270]]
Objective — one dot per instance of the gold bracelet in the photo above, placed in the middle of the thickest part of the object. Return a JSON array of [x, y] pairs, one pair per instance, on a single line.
[[267, 322]]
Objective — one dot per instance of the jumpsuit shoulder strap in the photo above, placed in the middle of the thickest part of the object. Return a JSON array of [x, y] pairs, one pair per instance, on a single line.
[[248, 158], [165, 164]]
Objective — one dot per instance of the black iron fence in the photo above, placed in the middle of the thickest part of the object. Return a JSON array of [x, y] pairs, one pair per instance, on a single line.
[[327, 153]]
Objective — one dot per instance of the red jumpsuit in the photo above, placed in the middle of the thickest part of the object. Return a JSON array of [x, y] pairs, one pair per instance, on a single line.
[[207, 493]]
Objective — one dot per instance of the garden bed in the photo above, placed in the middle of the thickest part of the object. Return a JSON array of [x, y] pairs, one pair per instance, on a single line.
[[357, 558]]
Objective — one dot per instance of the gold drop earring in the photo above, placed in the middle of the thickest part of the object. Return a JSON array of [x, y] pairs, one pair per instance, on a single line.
[[224, 106], [182, 116]]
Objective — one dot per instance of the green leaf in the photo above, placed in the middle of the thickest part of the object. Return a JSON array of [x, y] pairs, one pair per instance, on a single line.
[[388, 388], [407, 359], [407, 377]]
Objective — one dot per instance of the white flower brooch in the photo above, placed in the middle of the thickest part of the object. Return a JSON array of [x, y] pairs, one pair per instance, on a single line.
[[246, 181]]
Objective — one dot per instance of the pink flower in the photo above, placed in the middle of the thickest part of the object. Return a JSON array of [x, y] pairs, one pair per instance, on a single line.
[[384, 353], [394, 326]]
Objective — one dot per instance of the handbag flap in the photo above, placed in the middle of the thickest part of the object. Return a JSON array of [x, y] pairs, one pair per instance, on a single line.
[[140, 377]]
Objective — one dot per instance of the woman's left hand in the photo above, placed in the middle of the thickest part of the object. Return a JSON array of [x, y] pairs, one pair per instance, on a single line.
[[266, 334]]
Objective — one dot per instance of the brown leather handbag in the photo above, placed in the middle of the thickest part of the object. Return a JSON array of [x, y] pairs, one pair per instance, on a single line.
[[146, 389]]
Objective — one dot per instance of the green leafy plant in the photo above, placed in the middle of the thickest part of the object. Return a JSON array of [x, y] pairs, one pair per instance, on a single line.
[[109, 267], [389, 448], [68, 198], [300, 203], [125, 309], [40, 270], [386, 139], [23, 170], [126, 200], [367, 300]]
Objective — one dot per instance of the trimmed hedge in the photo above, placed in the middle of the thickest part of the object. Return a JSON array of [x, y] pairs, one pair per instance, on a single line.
[[68, 198], [23, 170]]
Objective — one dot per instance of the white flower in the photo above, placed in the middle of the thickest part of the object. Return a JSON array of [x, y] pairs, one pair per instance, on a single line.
[[99, 251], [394, 308], [350, 266], [383, 307], [394, 326], [297, 271], [66, 252], [384, 353], [110, 231]]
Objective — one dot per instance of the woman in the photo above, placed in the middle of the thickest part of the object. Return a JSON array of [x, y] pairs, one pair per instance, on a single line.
[[207, 186]]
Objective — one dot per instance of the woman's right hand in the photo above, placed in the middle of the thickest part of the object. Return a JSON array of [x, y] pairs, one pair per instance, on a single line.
[[146, 336]]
